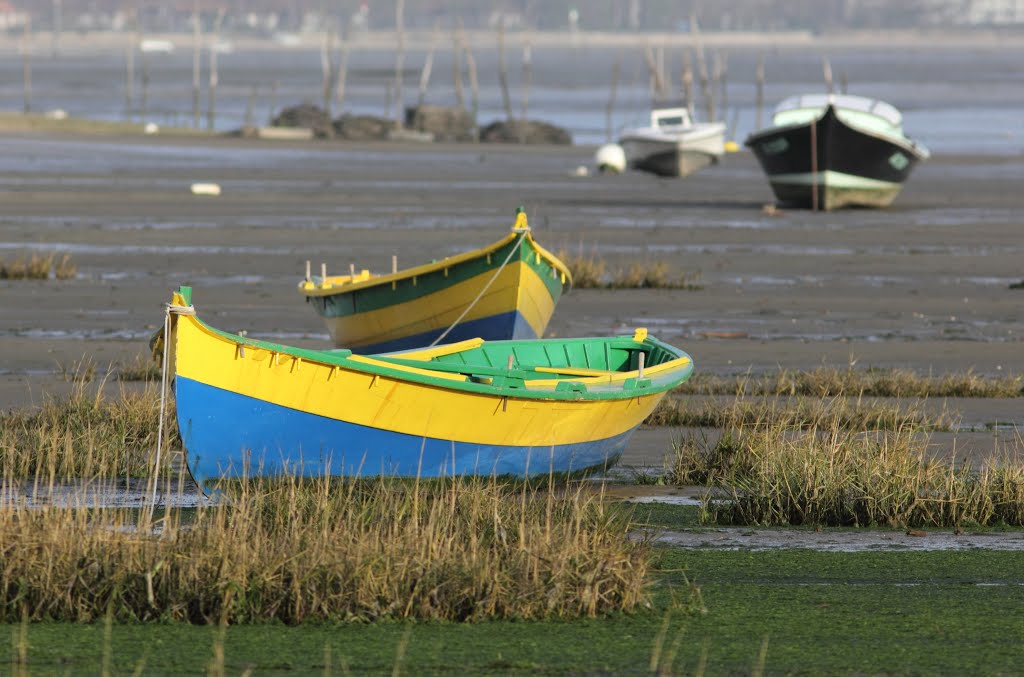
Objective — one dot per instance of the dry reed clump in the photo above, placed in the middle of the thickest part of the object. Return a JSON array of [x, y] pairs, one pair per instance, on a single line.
[[139, 368], [38, 267], [830, 382], [591, 272], [829, 475], [848, 413], [293, 551], [84, 435]]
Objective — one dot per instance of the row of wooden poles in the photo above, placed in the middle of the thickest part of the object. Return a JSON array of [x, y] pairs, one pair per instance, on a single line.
[[334, 54]]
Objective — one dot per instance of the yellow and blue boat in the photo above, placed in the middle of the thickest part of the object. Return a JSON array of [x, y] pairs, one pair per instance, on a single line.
[[507, 290], [521, 408]]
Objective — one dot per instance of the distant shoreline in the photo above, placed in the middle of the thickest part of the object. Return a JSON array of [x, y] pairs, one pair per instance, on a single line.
[[42, 44]]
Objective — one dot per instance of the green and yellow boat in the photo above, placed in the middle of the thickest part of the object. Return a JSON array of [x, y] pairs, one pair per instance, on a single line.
[[507, 290], [522, 408]]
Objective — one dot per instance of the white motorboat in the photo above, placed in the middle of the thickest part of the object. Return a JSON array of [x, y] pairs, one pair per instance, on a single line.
[[673, 145]]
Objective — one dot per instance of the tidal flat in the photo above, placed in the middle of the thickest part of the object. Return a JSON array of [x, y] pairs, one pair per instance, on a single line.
[[922, 287]]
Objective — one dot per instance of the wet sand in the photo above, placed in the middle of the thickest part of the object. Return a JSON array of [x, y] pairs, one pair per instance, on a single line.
[[923, 285]]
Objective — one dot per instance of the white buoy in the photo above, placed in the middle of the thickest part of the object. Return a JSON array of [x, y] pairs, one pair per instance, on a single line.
[[151, 128], [610, 158], [205, 189]]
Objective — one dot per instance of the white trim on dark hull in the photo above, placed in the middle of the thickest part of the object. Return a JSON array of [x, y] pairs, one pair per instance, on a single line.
[[835, 189]]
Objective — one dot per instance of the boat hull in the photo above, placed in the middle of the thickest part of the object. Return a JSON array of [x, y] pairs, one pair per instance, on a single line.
[[247, 407], [472, 296], [851, 168], [663, 155], [244, 436]]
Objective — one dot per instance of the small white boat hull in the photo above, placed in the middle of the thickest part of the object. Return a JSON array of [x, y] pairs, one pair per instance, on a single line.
[[676, 154]]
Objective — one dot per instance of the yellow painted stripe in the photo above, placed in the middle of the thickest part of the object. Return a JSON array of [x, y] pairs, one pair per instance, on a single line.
[[442, 350], [363, 279], [406, 368], [439, 310], [391, 403], [601, 376], [534, 301]]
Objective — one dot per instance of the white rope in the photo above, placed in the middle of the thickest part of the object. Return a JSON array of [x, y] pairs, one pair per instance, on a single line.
[[163, 407], [483, 291], [179, 310]]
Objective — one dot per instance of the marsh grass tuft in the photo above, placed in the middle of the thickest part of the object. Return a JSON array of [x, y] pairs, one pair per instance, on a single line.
[[37, 267], [848, 413], [292, 551], [829, 474], [139, 368], [831, 382], [88, 433], [592, 272]]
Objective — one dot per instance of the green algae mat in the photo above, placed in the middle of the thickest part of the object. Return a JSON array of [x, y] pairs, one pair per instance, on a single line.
[[784, 611]]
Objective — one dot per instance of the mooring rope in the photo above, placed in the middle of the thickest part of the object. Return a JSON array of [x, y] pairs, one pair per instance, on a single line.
[[483, 291], [178, 310]]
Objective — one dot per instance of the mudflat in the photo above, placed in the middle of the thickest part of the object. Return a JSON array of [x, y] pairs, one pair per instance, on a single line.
[[923, 285]]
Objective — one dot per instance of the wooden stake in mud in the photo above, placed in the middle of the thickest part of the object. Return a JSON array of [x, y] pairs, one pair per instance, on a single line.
[[339, 85], [326, 70], [249, 108], [211, 105], [826, 67], [394, 263], [814, 166], [428, 67], [273, 99], [474, 90], [721, 73], [144, 90], [26, 63], [457, 47], [57, 27], [616, 72], [503, 71], [129, 77], [705, 86], [657, 84], [527, 78], [688, 83], [196, 64], [399, 62], [759, 96]]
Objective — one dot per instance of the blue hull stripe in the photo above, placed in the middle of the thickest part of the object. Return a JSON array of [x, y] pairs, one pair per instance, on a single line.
[[504, 326], [226, 434]]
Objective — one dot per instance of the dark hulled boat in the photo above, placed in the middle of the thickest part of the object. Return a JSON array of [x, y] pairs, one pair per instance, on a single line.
[[831, 151]]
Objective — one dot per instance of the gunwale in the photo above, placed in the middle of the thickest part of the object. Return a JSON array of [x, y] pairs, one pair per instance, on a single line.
[[404, 366]]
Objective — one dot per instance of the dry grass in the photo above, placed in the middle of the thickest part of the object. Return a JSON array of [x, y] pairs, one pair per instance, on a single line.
[[139, 368], [38, 267], [832, 382], [294, 551], [827, 474], [591, 272], [87, 434], [849, 413]]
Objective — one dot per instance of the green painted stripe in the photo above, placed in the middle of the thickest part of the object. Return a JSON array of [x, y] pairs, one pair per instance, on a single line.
[[345, 303], [539, 352]]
